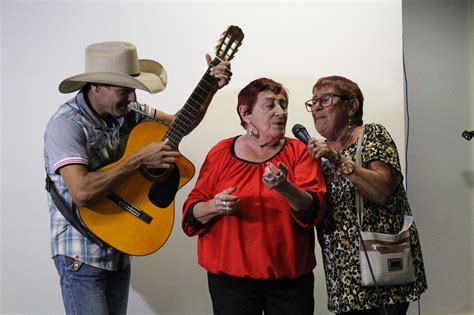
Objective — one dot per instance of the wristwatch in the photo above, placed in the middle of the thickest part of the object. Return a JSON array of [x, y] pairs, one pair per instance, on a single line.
[[347, 167]]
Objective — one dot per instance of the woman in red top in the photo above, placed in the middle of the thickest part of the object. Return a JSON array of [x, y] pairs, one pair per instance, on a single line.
[[256, 201]]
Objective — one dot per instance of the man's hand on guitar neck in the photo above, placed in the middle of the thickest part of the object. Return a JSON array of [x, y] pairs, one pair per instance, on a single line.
[[221, 71]]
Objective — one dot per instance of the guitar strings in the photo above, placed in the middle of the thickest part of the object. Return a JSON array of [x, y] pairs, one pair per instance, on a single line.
[[180, 125]]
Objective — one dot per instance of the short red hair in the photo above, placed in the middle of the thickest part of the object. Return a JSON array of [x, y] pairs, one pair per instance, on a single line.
[[343, 86], [248, 95]]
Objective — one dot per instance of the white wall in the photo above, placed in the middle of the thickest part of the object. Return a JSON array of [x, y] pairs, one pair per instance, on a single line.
[[294, 43], [440, 162]]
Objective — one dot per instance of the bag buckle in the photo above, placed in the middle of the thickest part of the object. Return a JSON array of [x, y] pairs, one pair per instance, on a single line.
[[48, 184]]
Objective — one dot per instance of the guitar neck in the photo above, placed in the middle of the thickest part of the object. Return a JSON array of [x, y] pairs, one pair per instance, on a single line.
[[185, 117]]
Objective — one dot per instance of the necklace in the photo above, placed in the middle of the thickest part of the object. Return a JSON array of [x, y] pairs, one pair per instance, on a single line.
[[348, 141]]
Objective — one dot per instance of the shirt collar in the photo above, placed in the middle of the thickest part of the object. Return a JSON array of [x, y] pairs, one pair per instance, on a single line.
[[97, 121]]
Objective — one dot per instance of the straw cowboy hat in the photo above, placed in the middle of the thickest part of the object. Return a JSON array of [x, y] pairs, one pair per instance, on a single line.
[[116, 63]]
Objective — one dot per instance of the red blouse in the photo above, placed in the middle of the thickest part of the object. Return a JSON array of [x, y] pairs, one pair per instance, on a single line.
[[263, 239]]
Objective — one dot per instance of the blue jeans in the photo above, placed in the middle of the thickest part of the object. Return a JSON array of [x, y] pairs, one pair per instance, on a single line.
[[91, 290]]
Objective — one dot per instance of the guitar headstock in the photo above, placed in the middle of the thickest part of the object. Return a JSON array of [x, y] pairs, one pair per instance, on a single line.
[[229, 43]]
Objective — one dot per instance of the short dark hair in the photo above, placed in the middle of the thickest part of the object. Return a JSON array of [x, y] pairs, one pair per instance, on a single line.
[[86, 88]]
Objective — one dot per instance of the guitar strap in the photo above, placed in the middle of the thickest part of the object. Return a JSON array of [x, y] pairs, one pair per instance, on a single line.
[[71, 214]]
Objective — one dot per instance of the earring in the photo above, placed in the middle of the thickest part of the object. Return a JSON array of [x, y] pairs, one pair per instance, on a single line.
[[349, 123], [250, 129]]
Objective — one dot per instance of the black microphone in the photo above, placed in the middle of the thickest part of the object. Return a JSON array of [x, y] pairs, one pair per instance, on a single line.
[[466, 134], [300, 132]]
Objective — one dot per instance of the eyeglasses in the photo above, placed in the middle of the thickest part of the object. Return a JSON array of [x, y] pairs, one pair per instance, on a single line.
[[324, 101]]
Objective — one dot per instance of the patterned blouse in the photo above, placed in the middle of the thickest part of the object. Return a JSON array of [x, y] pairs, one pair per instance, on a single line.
[[339, 239]]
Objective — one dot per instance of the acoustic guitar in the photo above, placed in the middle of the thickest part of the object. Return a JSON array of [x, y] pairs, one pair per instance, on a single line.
[[137, 218]]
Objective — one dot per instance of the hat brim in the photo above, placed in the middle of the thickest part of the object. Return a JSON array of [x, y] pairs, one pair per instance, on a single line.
[[152, 78]]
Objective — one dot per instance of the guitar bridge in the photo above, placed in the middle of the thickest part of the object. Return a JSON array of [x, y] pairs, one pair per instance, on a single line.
[[140, 214]]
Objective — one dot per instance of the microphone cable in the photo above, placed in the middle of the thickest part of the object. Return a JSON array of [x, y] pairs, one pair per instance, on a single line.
[[407, 135]]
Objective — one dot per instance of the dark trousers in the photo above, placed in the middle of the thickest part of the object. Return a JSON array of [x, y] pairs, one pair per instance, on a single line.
[[231, 295], [394, 309]]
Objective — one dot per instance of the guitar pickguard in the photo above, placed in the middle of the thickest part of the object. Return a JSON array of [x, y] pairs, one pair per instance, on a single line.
[[162, 194]]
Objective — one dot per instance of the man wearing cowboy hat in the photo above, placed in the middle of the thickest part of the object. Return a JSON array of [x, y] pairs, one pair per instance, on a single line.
[[84, 135]]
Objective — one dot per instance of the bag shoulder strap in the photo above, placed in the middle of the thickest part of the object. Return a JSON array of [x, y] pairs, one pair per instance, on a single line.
[[69, 214], [359, 200]]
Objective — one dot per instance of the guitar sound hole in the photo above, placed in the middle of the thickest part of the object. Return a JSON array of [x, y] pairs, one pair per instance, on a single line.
[[162, 194], [157, 172]]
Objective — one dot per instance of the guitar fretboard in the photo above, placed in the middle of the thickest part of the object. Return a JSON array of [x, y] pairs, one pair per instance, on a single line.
[[185, 118]]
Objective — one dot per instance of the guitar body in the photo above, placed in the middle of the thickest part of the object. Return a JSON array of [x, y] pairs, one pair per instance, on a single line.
[[137, 218], [122, 229]]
